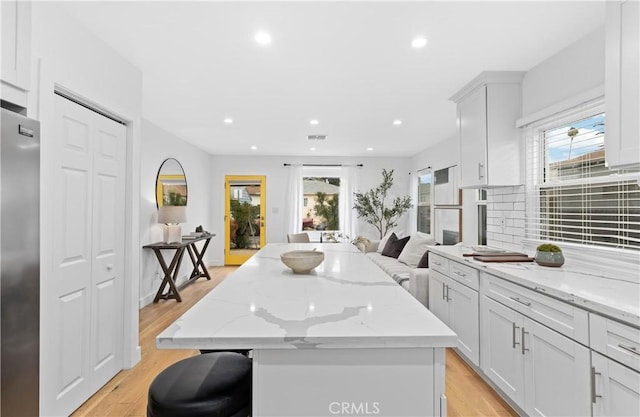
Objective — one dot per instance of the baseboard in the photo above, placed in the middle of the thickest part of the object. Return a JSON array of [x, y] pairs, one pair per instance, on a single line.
[[146, 300]]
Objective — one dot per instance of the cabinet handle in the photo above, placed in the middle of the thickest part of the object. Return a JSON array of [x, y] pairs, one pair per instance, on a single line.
[[630, 349], [460, 274], [480, 170], [513, 335], [516, 299], [436, 263], [594, 395], [524, 349], [448, 298]]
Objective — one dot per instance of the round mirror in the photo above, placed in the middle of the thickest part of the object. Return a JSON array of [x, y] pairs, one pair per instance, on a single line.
[[171, 184]]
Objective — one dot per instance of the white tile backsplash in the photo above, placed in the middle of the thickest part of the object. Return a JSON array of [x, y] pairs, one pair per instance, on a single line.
[[505, 217]]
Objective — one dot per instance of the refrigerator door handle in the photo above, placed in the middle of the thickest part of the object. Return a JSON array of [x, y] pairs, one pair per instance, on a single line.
[[25, 131]]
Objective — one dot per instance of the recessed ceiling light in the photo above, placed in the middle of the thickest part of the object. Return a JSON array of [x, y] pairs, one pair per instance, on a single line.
[[228, 120], [419, 42], [253, 148], [397, 122], [263, 38], [312, 149], [369, 149], [314, 122]]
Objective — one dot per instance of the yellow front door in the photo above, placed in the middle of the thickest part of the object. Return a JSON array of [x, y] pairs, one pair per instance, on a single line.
[[244, 220]]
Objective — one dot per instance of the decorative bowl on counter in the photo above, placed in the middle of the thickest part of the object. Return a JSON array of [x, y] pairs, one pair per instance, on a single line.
[[302, 261], [549, 255]]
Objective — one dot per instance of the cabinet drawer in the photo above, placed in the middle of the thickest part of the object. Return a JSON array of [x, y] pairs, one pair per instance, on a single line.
[[615, 340], [465, 275], [562, 317], [439, 263]]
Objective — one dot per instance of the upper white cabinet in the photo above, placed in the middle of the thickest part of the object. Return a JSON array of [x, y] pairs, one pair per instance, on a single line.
[[622, 86], [488, 108], [16, 50]]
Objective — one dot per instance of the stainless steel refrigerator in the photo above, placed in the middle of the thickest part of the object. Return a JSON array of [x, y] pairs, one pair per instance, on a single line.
[[19, 264]]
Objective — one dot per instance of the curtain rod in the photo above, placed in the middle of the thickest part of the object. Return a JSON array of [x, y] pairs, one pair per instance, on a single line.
[[324, 165]]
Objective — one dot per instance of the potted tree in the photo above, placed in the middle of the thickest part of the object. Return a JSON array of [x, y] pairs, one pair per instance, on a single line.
[[548, 254], [374, 209]]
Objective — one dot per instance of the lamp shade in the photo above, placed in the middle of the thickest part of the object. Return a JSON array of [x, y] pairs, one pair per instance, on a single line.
[[172, 214]]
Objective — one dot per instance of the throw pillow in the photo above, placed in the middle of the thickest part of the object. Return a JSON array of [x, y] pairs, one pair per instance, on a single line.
[[416, 247], [424, 261], [383, 242], [387, 248], [394, 248]]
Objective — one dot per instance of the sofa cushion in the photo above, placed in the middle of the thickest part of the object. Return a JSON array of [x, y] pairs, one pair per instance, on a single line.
[[396, 270], [393, 248], [424, 261], [415, 248], [383, 242]]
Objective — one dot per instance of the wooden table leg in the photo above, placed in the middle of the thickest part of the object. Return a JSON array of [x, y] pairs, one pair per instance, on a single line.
[[170, 276], [199, 269]]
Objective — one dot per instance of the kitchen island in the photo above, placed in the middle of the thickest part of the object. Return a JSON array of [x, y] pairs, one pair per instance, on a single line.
[[343, 340]]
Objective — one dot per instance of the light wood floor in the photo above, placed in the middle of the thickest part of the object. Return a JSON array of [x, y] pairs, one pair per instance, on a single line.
[[126, 394]]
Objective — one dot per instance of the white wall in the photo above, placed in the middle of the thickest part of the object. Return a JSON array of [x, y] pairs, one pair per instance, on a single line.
[[158, 145], [66, 55], [277, 179], [574, 70]]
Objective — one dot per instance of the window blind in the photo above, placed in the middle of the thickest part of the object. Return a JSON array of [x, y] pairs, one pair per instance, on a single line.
[[572, 195]]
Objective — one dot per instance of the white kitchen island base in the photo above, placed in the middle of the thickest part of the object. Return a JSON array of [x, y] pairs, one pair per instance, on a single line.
[[342, 382], [343, 340]]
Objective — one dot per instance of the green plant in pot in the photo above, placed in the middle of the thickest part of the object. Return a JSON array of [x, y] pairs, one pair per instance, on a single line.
[[548, 254]]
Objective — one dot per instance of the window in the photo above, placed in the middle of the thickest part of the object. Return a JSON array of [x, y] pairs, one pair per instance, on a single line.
[[574, 196], [424, 201], [481, 202], [321, 203]]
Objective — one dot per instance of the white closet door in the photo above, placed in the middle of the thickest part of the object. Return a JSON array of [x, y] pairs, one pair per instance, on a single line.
[[107, 249], [84, 308]]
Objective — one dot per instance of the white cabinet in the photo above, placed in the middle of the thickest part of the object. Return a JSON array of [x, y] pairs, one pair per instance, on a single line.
[[16, 50], [457, 306], [542, 371], [615, 389], [615, 361], [488, 108], [622, 85]]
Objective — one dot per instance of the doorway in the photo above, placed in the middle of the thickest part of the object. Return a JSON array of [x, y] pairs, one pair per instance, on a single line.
[[244, 219]]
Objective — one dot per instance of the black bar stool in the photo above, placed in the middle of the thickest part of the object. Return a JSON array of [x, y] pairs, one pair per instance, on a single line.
[[213, 385]]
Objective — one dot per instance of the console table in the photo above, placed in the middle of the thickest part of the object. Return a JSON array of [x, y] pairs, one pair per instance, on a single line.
[[171, 271]]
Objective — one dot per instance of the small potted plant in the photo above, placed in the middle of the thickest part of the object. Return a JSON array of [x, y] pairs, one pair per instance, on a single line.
[[549, 254]]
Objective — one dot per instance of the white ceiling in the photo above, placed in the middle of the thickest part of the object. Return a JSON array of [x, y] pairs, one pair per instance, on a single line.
[[349, 65]]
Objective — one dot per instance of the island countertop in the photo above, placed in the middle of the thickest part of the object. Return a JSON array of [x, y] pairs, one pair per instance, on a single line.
[[589, 289], [346, 302]]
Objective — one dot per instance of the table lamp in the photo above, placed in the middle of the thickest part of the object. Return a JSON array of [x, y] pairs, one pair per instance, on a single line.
[[172, 216]]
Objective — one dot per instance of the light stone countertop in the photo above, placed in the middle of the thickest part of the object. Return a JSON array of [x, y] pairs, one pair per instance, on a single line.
[[586, 288], [347, 302]]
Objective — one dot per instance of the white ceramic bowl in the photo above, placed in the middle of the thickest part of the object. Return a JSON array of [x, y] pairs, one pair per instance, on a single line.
[[302, 261]]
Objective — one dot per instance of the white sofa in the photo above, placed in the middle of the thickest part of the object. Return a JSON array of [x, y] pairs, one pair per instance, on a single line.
[[414, 280]]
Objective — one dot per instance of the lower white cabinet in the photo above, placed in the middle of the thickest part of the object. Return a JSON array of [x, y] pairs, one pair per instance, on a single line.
[[457, 306], [615, 388], [542, 371]]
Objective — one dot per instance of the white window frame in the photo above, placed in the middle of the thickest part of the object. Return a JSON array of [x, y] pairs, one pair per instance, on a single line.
[[535, 182], [419, 174]]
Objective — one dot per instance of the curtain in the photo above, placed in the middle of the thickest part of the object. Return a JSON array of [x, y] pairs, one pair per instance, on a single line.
[[294, 201], [348, 217]]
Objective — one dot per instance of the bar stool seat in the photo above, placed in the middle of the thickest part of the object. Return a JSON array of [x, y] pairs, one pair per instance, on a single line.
[[214, 385]]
